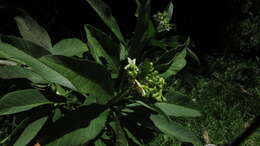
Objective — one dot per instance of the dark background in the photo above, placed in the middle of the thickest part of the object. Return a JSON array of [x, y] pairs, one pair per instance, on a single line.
[[204, 20]]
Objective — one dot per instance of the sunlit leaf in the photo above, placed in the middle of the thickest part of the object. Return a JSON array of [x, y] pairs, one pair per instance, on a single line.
[[69, 47]]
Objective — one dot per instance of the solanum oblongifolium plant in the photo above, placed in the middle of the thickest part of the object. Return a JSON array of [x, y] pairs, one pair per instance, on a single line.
[[108, 90]]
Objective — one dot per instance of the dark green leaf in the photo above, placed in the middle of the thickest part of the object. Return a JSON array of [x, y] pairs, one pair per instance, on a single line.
[[37, 66], [102, 46], [13, 72], [30, 132], [177, 97], [69, 47], [99, 142], [32, 31], [26, 46], [177, 64], [105, 14], [119, 133], [132, 137], [87, 77], [193, 55], [140, 38], [177, 110], [83, 135], [174, 130], [21, 100]]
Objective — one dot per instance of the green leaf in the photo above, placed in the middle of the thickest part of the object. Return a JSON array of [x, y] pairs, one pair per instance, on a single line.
[[83, 135], [26, 46], [87, 77], [105, 14], [193, 55], [141, 36], [177, 64], [177, 97], [174, 130], [102, 46], [120, 138], [38, 67], [132, 137], [177, 110], [169, 10], [30, 132], [138, 5], [69, 47], [99, 142], [21, 100], [32, 31], [13, 72]]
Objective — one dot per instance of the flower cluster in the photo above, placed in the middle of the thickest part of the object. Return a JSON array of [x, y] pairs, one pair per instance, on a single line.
[[151, 85], [163, 22]]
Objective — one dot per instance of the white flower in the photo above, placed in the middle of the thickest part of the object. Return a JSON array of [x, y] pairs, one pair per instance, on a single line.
[[130, 63]]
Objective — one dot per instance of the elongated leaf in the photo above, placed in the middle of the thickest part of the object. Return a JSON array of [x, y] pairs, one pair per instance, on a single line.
[[132, 137], [32, 31], [193, 55], [37, 66], [21, 100], [69, 47], [169, 10], [13, 72], [105, 14], [17, 131], [102, 46], [174, 130], [30, 132], [141, 37], [28, 47], [83, 135], [177, 111], [176, 65], [87, 77], [118, 132]]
